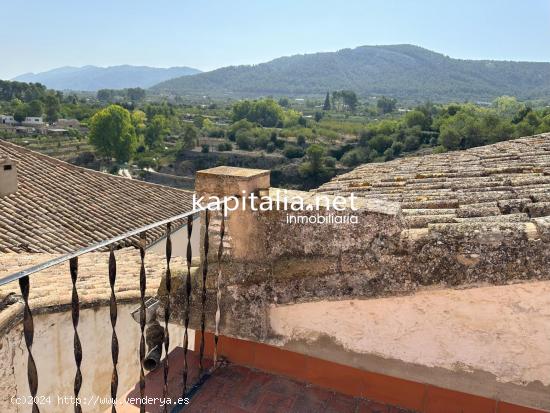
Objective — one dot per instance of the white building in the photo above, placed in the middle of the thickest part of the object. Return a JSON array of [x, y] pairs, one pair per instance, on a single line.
[[33, 121], [7, 120]]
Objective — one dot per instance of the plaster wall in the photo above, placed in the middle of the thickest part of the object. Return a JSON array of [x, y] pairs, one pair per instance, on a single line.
[[53, 354]]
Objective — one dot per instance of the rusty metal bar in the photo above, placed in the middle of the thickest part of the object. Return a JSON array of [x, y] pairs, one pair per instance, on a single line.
[[218, 287], [28, 330], [113, 311], [203, 298], [142, 319], [187, 303], [77, 346], [167, 312]]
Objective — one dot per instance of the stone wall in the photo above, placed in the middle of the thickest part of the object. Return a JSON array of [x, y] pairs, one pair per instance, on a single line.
[[268, 261]]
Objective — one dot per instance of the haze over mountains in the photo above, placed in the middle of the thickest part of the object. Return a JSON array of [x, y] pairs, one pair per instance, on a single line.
[[400, 71], [93, 78]]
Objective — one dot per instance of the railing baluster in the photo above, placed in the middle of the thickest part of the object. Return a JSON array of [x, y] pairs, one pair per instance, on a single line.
[[75, 312], [187, 302], [167, 311], [218, 287], [142, 319], [204, 274], [114, 340], [28, 330]]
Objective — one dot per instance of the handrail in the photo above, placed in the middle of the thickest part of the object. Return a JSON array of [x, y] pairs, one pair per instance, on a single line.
[[59, 260]]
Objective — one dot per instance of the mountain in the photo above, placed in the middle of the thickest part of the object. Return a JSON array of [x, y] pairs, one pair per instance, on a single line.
[[92, 78], [400, 71]]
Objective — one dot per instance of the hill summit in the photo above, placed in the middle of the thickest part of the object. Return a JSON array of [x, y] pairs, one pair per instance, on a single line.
[[401, 71]]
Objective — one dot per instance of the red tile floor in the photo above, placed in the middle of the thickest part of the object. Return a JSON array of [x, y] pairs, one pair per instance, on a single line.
[[236, 389], [233, 388]]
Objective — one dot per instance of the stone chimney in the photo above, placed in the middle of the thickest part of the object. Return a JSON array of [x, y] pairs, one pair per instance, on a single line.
[[8, 177], [240, 225]]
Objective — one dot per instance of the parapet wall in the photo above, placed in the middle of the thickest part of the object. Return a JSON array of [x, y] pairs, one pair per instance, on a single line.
[[268, 261]]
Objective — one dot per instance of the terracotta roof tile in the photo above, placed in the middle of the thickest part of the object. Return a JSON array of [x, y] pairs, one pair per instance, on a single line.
[[60, 207], [483, 184]]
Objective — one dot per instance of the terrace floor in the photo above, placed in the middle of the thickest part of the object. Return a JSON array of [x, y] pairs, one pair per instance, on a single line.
[[237, 389], [233, 388]]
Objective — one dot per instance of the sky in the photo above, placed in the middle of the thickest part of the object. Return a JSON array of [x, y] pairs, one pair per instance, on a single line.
[[39, 35]]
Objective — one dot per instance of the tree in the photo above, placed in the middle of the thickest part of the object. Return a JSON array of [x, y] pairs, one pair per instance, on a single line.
[[35, 108], [386, 105], [507, 106], [112, 133], [135, 94], [139, 119], [266, 112], [20, 112], [52, 107], [156, 131], [105, 95], [293, 151], [190, 137], [244, 141], [315, 169], [326, 105], [349, 99], [416, 118], [318, 116], [284, 102]]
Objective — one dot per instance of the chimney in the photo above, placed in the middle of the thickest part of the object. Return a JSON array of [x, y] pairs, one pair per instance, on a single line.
[[8, 177]]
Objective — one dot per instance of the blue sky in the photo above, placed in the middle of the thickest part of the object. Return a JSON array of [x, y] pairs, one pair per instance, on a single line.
[[38, 35]]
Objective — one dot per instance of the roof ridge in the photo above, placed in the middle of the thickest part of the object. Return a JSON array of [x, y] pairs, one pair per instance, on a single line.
[[81, 168]]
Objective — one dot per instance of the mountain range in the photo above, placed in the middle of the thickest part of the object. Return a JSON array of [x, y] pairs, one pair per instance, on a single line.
[[400, 71], [93, 78]]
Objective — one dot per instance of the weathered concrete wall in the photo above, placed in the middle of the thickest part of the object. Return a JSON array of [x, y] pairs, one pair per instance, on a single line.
[[268, 261]]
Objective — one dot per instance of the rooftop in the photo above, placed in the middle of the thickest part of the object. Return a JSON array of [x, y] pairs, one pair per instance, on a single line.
[[60, 207], [507, 182]]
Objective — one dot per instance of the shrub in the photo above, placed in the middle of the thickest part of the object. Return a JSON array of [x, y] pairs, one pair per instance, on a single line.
[[412, 143], [270, 148], [330, 161], [262, 141], [244, 141], [216, 133], [354, 157], [225, 146], [293, 151], [205, 148]]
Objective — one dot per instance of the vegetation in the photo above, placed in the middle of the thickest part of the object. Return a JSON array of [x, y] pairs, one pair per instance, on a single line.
[[113, 134], [303, 142], [405, 72]]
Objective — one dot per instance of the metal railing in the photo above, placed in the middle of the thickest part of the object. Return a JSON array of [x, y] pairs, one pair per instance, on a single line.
[[24, 279]]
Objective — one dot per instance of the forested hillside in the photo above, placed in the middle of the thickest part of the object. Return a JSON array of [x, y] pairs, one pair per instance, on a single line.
[[401, 71]]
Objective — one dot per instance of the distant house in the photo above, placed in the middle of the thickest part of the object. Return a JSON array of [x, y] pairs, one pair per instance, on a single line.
[[67, 123], [7, 120], [33, 121]]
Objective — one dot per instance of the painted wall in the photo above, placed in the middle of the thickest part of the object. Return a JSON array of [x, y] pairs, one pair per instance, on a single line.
[[53, 353]]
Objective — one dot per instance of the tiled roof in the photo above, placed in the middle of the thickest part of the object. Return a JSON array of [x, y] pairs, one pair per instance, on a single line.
[[502, 183], [51, 288], [60, 207]]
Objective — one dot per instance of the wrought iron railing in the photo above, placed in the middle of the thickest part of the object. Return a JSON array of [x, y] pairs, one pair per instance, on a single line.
[[184, 220]]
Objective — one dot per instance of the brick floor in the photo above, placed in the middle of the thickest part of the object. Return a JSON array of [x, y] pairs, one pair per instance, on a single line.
[[238, 389]]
